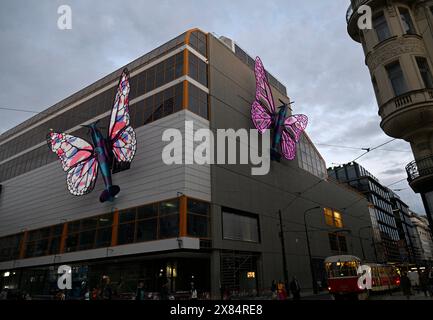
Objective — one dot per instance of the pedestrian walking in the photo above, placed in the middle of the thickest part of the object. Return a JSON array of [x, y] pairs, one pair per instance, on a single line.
[[295, 288], [430, 281], [424, 282], [406, 285], [140, 294], [193, 292], [274, 290]]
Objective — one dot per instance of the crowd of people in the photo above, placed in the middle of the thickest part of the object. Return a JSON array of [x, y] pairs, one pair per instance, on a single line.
[[421, 281], [284, 290]]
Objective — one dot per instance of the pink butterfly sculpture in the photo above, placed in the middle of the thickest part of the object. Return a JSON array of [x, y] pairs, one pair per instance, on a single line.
[[286, 130], [82, 160]]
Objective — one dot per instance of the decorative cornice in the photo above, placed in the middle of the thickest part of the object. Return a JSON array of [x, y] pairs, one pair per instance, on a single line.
[[387, 51]]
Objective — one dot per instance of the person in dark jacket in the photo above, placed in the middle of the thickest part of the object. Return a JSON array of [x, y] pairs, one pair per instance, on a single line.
[[140, 294], [405, 285], [295, 288]]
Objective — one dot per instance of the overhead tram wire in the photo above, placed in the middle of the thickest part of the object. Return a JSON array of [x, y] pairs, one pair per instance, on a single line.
[[368, 150], [357, 148]]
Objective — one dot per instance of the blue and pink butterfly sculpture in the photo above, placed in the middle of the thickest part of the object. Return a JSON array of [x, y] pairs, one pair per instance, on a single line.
[[286, 131], [82, 160]]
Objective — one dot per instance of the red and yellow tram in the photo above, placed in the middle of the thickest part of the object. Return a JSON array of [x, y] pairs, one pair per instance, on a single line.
[[342, 272]]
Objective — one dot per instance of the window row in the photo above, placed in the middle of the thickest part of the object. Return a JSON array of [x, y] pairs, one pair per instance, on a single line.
[[381, 26], [146, 81], [143, 112], [155, 221]]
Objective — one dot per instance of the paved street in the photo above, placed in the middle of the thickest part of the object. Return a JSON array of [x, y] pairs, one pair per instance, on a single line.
[[399, 296]]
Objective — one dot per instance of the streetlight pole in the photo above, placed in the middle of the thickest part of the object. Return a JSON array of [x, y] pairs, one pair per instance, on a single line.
[[313, 276], [283, 249]]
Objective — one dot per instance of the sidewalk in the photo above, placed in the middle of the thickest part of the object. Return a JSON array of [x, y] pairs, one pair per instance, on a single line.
[[399, 296]]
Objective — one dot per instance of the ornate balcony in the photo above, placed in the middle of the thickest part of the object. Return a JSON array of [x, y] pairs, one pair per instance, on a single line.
[[354, 5], [420, 174], [402, 115]]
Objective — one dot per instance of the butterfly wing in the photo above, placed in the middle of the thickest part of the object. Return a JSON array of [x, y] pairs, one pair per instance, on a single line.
[[263, 89], [78, 159], [81, 179], [261, 117], [121, 135], [294, 126]]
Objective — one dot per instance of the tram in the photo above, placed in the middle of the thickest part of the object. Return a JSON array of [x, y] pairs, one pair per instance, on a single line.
[[342, 272]]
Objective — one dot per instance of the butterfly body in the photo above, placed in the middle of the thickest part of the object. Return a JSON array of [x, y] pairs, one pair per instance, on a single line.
[[104, 158], [278, 132], [82, 160], [286, 130]]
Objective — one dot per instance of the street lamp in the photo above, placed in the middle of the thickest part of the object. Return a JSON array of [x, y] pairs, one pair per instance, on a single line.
[[313, 276]]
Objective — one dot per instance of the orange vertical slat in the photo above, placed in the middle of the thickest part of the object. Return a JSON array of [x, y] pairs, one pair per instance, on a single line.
[[63, 238], [182, 217], [115, 228], [23, 245]]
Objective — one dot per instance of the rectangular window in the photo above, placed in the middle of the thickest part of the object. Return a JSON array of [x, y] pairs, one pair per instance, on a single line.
[[424, 70], [168, 219], [240, 227], [381, 26], [333, 218], [342, 243], [198, 218], [198, 101], [396, 77], [406, 21], [333, 242]]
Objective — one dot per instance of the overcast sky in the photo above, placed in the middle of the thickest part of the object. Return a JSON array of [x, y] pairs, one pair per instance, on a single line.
[[303, 43]]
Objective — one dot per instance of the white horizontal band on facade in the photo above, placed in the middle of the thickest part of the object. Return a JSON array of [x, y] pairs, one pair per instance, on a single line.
[[105, 88], [107, 113], [120, 250]]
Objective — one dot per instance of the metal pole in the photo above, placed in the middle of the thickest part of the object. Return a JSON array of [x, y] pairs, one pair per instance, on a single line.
[[283, 250], [313, 276]]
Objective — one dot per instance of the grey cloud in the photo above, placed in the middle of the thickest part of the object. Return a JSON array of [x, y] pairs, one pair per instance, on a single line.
[[304, 44]]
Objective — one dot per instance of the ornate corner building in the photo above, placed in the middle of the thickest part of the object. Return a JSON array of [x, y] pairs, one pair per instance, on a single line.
[[399, 54]]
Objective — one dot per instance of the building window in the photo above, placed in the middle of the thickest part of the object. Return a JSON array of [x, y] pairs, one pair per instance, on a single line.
[[240, 227], [10, 247], [89, 233], [396, 77], [149, 222], [381, 26], [406, 21], [45, 241], [198, 42], [333, 218], [424, 70], [168, 219], [197, 69], [337, 242], [198, 101], [198, 218]]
